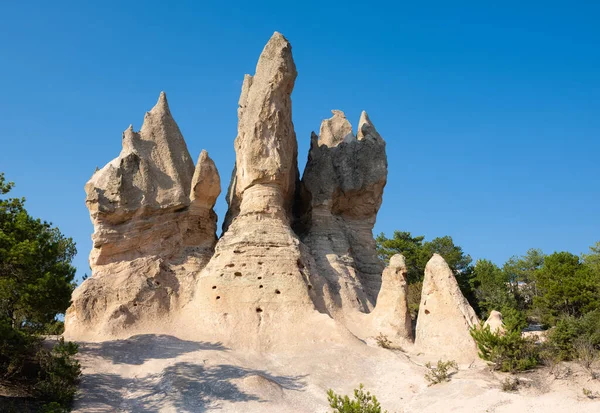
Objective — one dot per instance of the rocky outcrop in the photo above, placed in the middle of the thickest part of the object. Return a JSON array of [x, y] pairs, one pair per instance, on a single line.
[[157, 266], [261, 279], [495, 322], [154, 229], [340, 195], [391, 316], [266, 148], [445, 316]]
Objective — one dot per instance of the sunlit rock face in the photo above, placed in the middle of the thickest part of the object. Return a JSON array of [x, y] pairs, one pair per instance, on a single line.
[[154, 229], [339, 197], [296, 263]]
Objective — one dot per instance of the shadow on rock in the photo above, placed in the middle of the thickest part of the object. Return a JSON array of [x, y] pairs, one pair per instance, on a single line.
[[138, 349], [184, 387]]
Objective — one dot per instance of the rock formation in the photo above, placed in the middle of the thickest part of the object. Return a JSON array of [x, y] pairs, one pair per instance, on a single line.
[[296, 263], [495, 322], [445, 316], [340, 195], [261, 279], [154, 228], [391, 316]]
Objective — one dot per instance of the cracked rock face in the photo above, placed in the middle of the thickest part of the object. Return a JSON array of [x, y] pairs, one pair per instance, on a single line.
[[340, 195], [154, 226], [445, 316]]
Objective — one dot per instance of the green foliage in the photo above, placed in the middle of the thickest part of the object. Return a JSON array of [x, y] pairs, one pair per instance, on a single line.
[[36, 275], [569, 329], [441, 372], [506, 352], [513, 319], [16, 348], [566, 287], [59, 373], [363, 402], [36, 282], [53, 407], [417, 253], [491, 287], [520, 274]]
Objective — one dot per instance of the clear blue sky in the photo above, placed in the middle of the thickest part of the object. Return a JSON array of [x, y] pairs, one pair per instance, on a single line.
[[491, 113]]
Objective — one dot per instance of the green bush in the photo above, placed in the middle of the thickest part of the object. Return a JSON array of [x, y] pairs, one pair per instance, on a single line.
[[362, 402], [513, 319], [507, 352], [441, 372], [16, 349], [570, 329], [59, 373]]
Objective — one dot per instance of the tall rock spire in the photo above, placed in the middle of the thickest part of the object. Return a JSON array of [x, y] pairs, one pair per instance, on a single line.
[[266, 148]]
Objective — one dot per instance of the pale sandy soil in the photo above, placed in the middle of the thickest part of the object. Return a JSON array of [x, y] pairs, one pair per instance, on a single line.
[[154, 373]]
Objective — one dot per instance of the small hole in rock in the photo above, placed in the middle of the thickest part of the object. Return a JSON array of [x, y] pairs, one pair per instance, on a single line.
[[244, 264], [135, 304], [230, 265], [259, 278], [258, 310], [300, 264], [309, 287], [426, 311], [260, 263], [221, 275], [157, 282], [214, 287], [277, 292], [218, 297], [237, 274], [260, 286]]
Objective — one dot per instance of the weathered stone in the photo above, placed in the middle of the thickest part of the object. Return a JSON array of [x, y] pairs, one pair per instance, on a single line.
[[391, 316], [261, 279], [340, 195], [266, 148], [495, 322], [445, 316], [154, 230]]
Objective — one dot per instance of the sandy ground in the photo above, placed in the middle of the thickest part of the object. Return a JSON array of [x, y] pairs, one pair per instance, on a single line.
[[158, 373]]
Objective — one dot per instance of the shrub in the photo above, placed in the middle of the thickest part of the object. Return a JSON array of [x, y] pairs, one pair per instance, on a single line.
[[53, 407], [586, 354], [383, 341], [59, 373], [569, 329], [513, 319], [509, 352], [362, 402], [441, 372]]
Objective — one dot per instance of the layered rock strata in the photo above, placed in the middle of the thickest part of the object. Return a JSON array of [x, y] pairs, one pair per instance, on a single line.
[[445, 316], [154, 229]]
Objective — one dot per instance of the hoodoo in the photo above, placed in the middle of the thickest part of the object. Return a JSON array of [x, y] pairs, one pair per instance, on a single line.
[[296, 263]]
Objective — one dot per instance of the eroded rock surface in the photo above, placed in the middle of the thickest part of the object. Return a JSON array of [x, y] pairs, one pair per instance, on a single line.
[[391, 316], [340, 195], [445, 316], [261, 280], [154, 229]]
